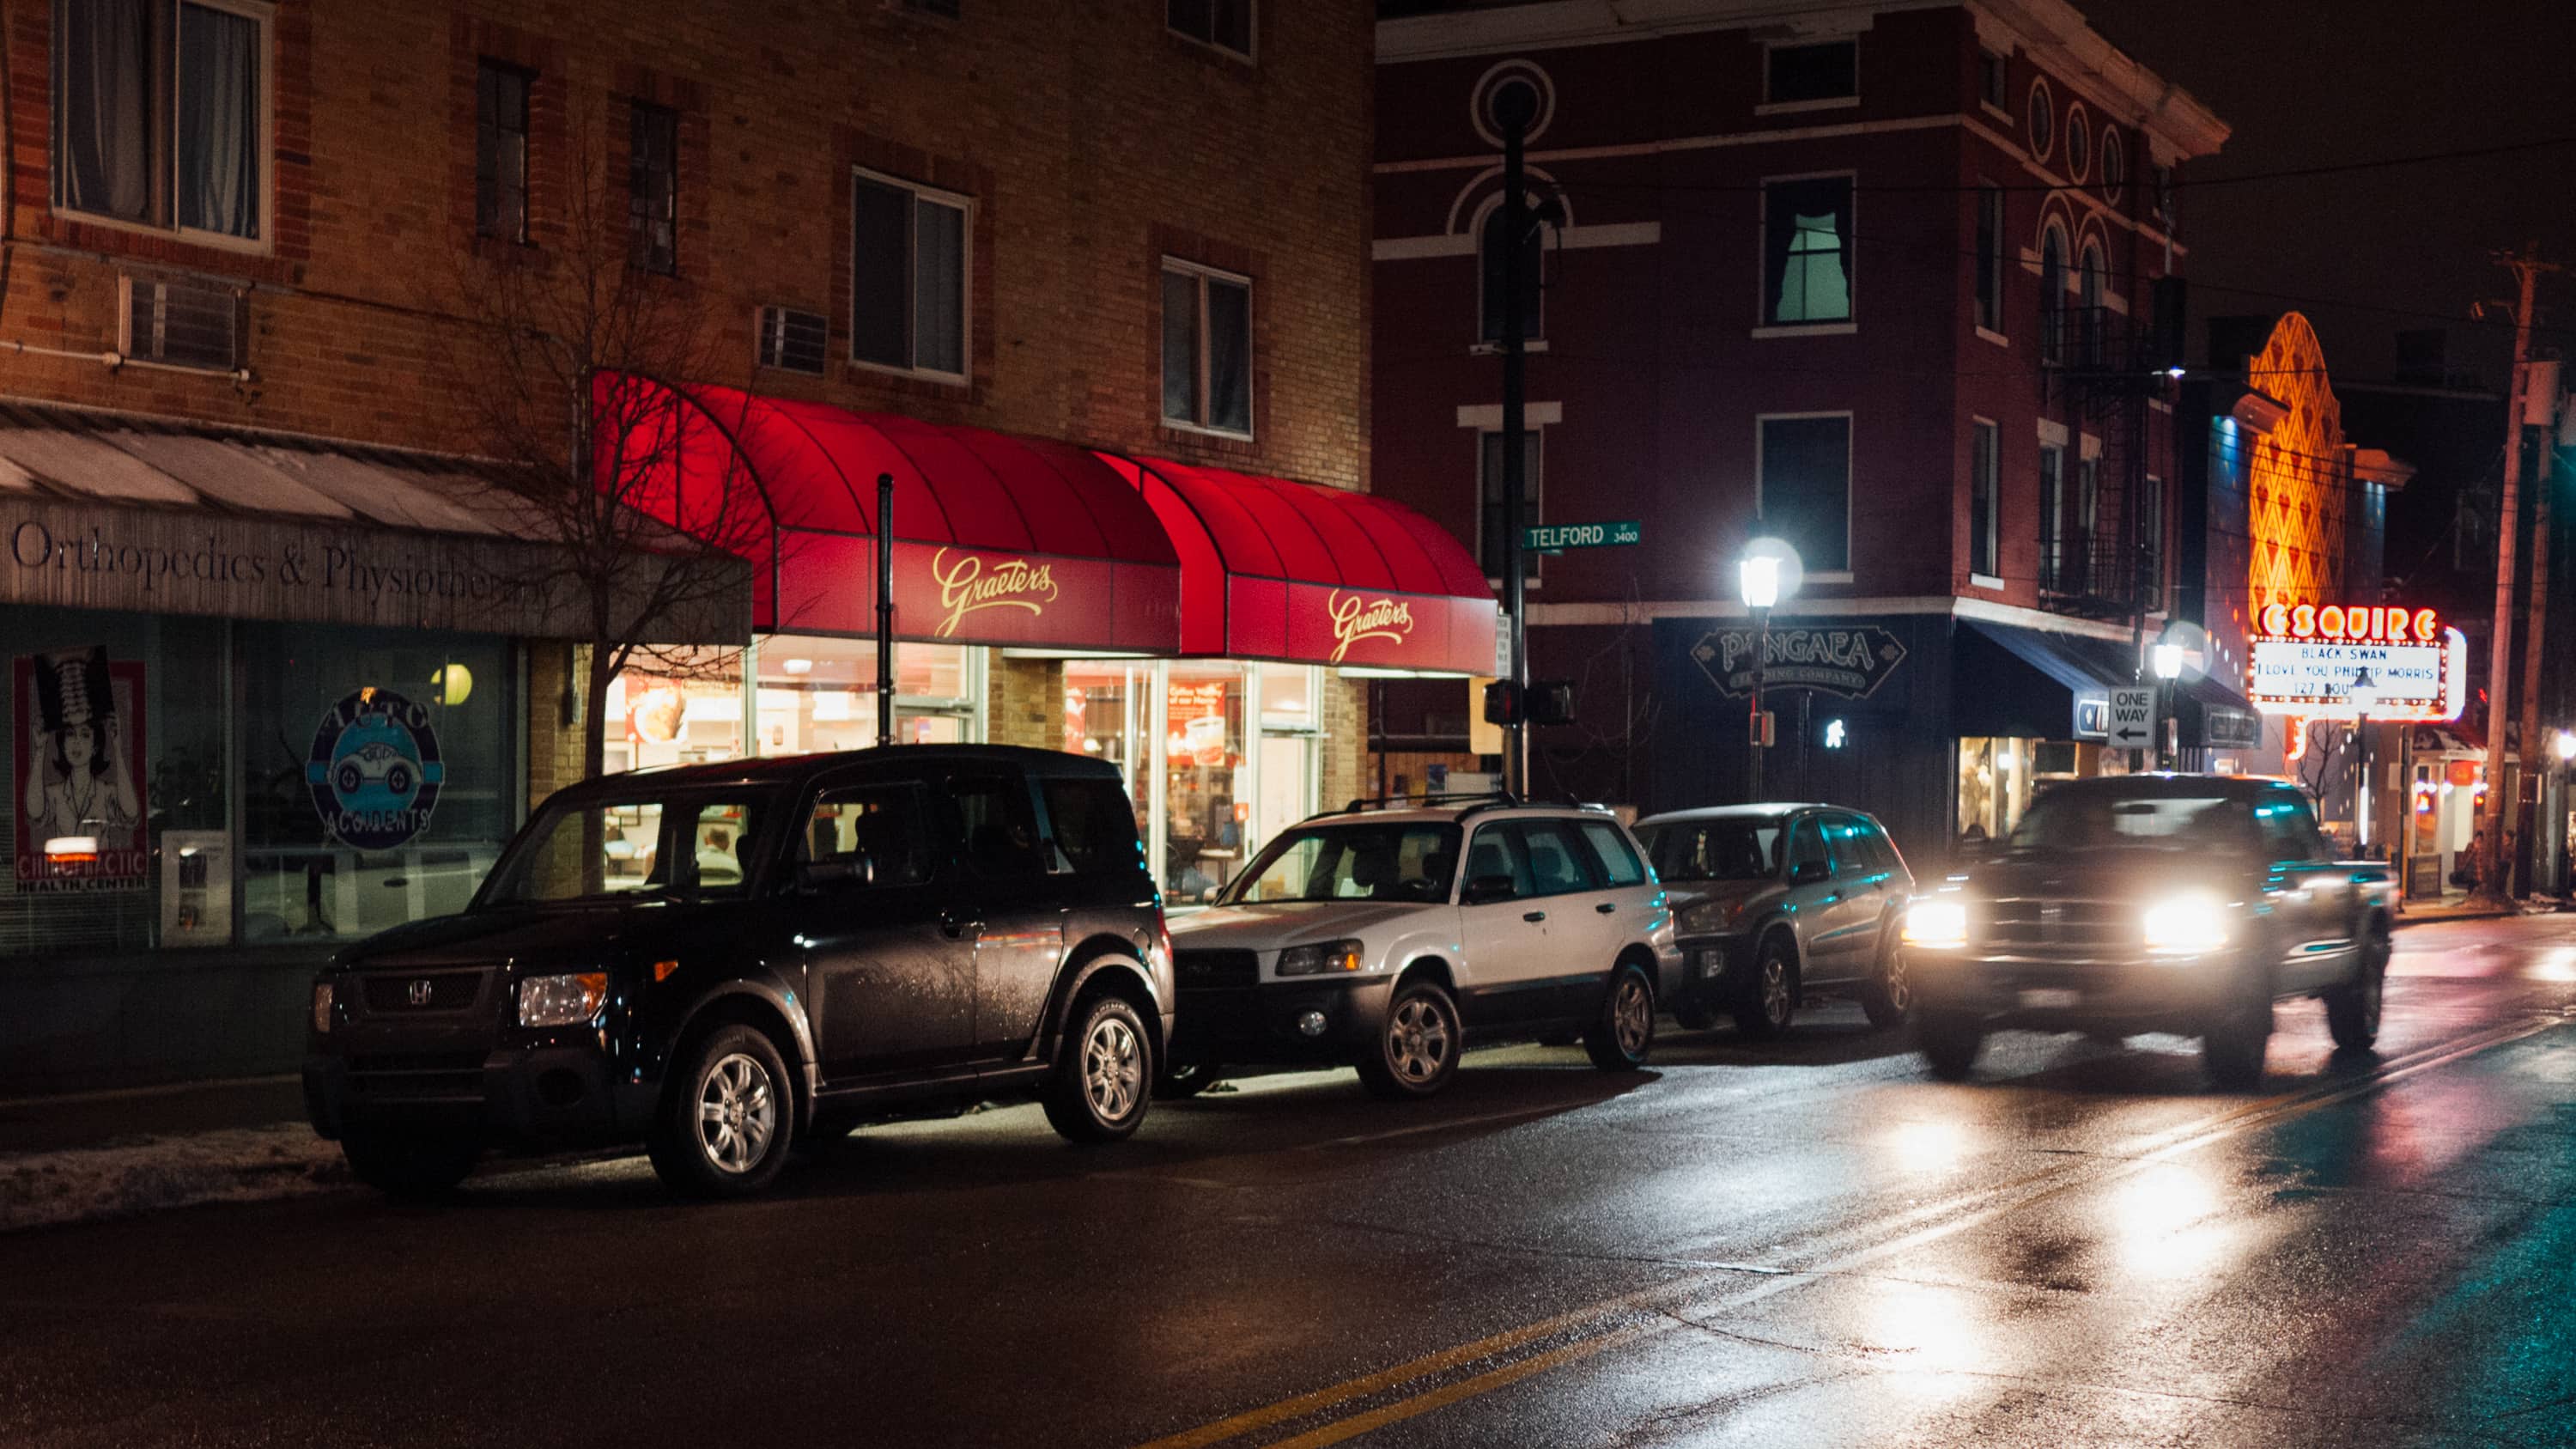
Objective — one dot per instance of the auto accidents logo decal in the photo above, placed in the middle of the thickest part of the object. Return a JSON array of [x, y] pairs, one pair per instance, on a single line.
[[374, 770]]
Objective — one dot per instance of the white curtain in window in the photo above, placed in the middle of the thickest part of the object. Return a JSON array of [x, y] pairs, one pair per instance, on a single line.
[[939, 295], [103, 107], [1813, 287], [218, 121], [1229, 321]]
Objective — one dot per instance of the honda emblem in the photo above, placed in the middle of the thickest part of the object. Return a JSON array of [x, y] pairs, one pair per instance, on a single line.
[[419, 993]]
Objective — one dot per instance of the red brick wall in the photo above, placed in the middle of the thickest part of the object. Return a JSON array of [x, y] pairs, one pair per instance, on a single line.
[[1089, 137]]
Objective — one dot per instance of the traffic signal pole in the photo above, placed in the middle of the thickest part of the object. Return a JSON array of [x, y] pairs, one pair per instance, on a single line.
[[1515, 105]]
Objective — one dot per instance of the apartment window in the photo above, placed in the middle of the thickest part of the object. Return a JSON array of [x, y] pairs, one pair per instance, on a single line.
[[1803, 488], [1490, 496], [1207, 349], [1990, 257], [1985, 497], [908, 277], [1806, 251], [2086, 528], [1826, 72], [501, 151], [1225, 24], [2151, 540], [2052, 295], [2091, 321], [1490, 290], [1990, 80], [160, 114], [653, 188], [2052, 517]]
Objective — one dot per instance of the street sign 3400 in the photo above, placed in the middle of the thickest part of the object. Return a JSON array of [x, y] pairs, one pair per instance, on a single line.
[[1558, 537]]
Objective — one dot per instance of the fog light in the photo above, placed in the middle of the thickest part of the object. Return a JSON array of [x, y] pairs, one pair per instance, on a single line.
[[1310, 1023]]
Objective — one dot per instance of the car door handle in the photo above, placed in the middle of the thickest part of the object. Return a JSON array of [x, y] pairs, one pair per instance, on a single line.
[[1533, 915], [956, 925], [1606, 907], [1834, 899]]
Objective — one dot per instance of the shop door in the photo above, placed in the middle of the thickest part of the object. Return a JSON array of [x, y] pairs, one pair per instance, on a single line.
[[1284, 787]]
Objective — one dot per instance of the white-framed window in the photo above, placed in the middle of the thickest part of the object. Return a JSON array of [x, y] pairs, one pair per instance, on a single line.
[[1802, 486], [1490, 496], [162, 116], [1990, 257], [910, 276], [2052, 293], [2085, 527], [2092, 278], [653, 188], [1817, 74], [1985, 499], [1807, 250], [2052, 517], [1991, 74], [1223, 24], [1207, 349]]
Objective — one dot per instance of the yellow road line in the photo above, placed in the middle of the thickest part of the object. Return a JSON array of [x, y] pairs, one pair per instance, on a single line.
[[2214, 1128]]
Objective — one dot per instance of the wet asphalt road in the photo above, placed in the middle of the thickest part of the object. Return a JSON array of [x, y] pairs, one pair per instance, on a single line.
[[1813, 1244]]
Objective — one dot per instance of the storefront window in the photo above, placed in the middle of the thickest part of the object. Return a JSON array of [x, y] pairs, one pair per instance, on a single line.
[[1204, 813], [115, 734], [685, 707], [379, 775]]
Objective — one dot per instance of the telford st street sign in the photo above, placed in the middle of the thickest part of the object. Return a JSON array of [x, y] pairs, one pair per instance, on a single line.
[[1558, 537]]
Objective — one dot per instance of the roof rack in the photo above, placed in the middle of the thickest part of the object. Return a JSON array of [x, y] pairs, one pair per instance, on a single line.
[[1474, 800]]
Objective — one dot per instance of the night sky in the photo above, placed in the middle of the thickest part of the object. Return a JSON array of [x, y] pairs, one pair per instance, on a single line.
[[2328, 82]]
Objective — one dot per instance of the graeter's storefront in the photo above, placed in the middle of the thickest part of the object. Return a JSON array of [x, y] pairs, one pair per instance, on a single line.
[[1205, 630]]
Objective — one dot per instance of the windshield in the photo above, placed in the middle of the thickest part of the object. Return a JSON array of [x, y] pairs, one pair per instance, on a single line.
[[1390, 862], [1741, 847], [678, 845], [2092, 819]]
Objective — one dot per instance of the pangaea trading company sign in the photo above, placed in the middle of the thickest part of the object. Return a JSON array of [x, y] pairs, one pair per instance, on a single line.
[[1851, 661]]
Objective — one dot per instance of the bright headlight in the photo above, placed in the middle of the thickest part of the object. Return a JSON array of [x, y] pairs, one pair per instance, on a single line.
[[2187, 925], [1330, 957], [1937, 925], [562, 1000]]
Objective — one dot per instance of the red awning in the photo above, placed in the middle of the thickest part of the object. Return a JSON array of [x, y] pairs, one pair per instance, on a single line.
[[999, 539], [1274, 569]]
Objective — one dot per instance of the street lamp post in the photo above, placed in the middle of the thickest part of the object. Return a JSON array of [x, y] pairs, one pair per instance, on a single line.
[[2168, 662], [1759, 578], [2562, 744], [2365, 693]]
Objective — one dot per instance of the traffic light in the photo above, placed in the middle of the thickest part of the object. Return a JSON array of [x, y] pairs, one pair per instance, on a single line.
[[1551, 702], [1503, 703]]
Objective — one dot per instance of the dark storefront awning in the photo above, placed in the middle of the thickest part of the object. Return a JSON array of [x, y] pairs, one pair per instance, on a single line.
[[2027, 683], [2212, 715], [1276, 569]]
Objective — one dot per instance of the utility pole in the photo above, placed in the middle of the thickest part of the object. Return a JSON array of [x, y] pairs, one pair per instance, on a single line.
[[2536, 614], [2491, 883], [1514, 106]]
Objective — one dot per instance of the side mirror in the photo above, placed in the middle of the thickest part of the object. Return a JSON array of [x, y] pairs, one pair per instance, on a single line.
[[1485, 889], [1809, 872], [858, 869]]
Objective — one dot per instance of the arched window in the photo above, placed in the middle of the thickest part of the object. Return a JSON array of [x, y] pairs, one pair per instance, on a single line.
[[1489, 249], [2052, 294], [2090, 323]]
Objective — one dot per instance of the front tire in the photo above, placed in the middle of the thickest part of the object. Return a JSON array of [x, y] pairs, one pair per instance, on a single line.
[[1416, 1052], [1949, 1042], [1624, 1032], [727, 1118], [1889, 993], [412, 1167], [1099, 1091], [2232, 1052], [2352, 1010], [1772, 1000]]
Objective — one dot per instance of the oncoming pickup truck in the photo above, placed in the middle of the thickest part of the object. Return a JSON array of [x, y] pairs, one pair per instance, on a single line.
[[2143, 903]]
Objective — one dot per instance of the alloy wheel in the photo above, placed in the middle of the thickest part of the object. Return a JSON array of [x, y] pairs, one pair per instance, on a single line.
[[1113, 1069], [1632, 1015], [737, 1113], [1894, 984], [1417, 1039], [1775, 991]]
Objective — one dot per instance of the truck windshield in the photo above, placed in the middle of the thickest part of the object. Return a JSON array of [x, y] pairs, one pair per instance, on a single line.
[[2176, 822], [1389, 862], [1745, 847], [671, 845]]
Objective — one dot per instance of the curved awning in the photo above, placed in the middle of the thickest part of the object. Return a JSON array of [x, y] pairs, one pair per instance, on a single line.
[[999, 539], [1276, 569]]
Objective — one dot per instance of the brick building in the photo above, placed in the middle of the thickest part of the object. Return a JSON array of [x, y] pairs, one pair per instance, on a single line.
[[244, 237], [1874, 278]]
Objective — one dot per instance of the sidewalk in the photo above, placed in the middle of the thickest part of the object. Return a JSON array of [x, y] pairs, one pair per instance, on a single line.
[[2456, 906], [93, 1155]]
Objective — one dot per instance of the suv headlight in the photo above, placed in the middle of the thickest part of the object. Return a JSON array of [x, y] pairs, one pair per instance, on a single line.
[[2186, 925], [562, 1000], [1711, 916], [1330, 957], [1937, 925]]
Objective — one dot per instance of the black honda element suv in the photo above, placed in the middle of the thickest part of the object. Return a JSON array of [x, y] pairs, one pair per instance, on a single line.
[[716, 960]]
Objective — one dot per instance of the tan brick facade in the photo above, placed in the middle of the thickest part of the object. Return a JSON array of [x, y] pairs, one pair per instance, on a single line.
[[1090, 141], [1026, 703]]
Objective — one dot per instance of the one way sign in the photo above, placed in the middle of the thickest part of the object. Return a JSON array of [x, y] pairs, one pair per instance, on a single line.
[[2133, 718]]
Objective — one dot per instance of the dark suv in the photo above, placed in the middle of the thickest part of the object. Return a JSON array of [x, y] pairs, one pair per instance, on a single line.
[[716, 960]]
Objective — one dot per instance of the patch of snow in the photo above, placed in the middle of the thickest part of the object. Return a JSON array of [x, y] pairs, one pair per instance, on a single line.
[[243, 1164]]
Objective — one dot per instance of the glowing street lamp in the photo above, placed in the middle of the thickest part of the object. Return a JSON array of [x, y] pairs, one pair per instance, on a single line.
[[2365, 693], [1767, 573]]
